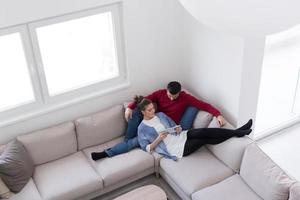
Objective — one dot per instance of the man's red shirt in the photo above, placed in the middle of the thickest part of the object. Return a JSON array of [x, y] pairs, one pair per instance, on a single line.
[[175, 108]]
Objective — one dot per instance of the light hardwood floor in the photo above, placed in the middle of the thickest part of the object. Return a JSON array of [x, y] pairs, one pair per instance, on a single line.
[[284, 149]]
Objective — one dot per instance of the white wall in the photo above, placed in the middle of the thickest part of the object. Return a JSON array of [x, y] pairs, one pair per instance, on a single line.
[[153, 34], [250, 78], [213, 61]]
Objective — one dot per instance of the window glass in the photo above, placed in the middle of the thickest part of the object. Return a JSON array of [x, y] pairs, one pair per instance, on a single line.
[[15, 85], [78, 52]]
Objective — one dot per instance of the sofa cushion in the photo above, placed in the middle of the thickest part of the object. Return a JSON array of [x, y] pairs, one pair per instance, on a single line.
[[100, 127], [51, 143], [4, 191], [263, 175], [16, 166], [67, 178], [232, 188], [214, 123], [295, 192], [2, 147], [231, 151], [202, 119], [196, 171], [28, 192], [117, 168]]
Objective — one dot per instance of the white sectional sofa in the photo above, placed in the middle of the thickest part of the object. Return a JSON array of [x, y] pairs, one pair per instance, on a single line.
[[235, 169]]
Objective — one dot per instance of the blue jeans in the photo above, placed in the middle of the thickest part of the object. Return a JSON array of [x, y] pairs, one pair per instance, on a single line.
[[131, 141]]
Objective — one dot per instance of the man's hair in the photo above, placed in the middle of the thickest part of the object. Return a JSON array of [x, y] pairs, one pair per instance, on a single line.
[[174, 87]]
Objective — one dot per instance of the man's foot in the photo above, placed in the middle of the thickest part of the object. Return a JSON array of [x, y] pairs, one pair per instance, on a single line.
[[246, 126], [98, 155]]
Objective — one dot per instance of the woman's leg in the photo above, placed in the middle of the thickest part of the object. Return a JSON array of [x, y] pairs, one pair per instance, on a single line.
[[246, 126], [191, 145], [207, 133]]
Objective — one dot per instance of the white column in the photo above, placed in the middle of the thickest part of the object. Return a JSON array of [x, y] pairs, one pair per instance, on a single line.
[[250, 78]]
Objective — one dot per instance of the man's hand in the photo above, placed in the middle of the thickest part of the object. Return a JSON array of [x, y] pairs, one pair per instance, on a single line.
[[221, 120], [128, 114]]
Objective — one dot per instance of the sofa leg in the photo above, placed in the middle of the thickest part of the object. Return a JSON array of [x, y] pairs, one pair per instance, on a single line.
[[157, 174]]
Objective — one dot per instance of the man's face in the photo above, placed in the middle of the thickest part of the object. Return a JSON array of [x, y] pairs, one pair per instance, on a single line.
[[172, 96]]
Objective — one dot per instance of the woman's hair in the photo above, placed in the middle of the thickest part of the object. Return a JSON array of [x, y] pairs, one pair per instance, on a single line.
[[142, 102]]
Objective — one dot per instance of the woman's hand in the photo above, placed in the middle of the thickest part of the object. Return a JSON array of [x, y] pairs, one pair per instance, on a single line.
[[159, 138], [178, 129], [162, 135]]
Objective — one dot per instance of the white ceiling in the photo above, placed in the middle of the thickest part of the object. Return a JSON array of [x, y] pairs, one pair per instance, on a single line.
[[246, 18]]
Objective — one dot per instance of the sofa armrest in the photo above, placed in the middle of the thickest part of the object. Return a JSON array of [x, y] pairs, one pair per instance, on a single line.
[[231, 151], [295, 191]]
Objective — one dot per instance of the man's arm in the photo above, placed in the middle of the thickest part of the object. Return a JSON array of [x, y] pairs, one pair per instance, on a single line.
[[153, 97], [201, 105]]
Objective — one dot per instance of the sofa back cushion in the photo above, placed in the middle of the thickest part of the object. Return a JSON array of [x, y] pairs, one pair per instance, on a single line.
[[50, 144], [232, 150], [100, 127], [295, 192], [202, 119], [263, 175]]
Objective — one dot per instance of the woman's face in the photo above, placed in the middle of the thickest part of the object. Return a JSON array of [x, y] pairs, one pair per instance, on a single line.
[[149, 111]]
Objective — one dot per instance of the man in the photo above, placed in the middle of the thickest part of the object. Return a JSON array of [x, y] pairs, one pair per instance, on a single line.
[[177, 104]]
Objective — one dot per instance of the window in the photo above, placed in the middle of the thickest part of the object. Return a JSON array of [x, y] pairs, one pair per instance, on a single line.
[[78, 52], [279, 94], [15, 84], [53, 63]]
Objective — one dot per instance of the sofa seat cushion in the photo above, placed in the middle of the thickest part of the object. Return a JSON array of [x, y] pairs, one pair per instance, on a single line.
[[120, 167], [67, 178], [196, 171], [28, 192], [232, 188]]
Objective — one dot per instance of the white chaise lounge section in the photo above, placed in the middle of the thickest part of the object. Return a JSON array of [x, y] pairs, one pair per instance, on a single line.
[[259, 178]]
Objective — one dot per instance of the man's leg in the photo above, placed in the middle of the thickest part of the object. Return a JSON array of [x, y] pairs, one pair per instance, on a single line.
[[122, 147], [188, 117], [133, 123]]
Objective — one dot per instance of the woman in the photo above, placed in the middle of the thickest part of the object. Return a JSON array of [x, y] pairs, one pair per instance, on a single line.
[[152, 134]]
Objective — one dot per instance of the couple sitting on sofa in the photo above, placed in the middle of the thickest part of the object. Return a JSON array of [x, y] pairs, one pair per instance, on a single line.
[[174, 107]]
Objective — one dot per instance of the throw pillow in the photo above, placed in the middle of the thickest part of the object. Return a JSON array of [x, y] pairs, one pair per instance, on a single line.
[[4, 191], [16, 166]]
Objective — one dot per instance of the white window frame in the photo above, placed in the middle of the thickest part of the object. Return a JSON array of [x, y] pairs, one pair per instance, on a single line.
[[44, 103], [90, 90], [27, 107]]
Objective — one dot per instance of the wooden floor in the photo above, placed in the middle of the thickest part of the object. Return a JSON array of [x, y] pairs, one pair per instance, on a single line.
[[284, 149]]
